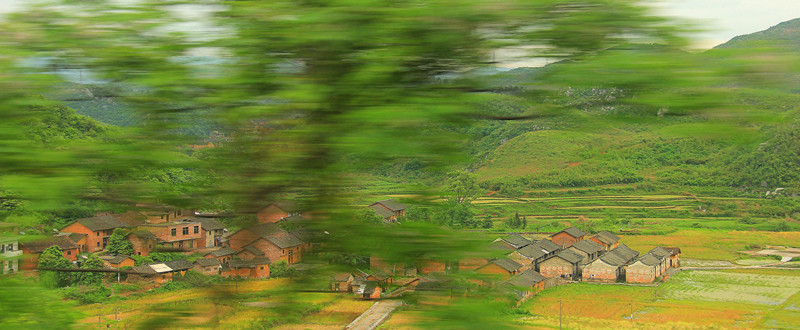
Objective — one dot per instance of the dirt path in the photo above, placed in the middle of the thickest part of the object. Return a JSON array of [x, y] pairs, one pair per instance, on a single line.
[[375, 315]]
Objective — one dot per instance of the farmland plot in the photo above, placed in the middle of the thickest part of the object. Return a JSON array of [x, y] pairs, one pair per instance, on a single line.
[[731, 287]]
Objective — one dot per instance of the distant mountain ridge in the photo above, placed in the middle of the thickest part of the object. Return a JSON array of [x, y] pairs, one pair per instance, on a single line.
[[784, 35]]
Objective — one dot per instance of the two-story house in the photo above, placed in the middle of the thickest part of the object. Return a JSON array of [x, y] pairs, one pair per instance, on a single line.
[[182, 235], [97, 230], [211, 231]]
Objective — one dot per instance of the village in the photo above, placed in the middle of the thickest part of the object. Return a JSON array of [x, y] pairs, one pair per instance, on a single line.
[[527, 263]]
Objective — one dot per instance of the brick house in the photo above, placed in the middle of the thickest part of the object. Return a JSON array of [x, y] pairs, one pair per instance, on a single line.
[[674, 256], [160, 272], [531, 255], [389, 209], [342, 282], [269, 238], [525, 284], [568, 236], [211, 231], [79, 239], [644, 270], [117, 261], [167, 215], [277, 211], [564, 264], [588, 249], [513, 241], [223, 254], [208, 266], [503, 267], [143, 242], [250, 252], [608, 240], [253, 268], [32, 250], [609, 267], [663, 257], [181, 235], [97, 230]]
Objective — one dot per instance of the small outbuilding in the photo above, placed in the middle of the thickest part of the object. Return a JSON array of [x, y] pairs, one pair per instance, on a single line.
[[568, 236]]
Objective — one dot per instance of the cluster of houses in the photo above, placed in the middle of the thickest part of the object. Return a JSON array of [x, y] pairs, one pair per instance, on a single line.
[[574, 255], [247, 252]]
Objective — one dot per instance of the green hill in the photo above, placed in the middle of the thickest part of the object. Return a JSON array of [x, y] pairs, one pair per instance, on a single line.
[[784, 35]]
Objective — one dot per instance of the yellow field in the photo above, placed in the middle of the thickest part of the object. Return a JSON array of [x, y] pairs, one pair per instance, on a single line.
[[711, 244]]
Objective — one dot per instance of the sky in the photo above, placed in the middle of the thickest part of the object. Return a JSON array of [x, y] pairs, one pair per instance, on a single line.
[[725, 19]]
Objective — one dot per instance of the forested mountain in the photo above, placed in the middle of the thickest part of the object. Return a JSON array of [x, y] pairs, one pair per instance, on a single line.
[[784, 35]]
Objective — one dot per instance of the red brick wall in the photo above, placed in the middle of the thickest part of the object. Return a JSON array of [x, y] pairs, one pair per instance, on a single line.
[[556, 267], [141, 246], [245, 255], [640, 274], [564, 239], [94, 242], [602, 273]]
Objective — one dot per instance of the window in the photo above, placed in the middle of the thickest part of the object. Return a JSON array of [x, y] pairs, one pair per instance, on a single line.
[[69, 253], [174, 232], [191, 244], [262, 267], [140, 253], [162, 217], [186, 230], [196, 229], [98, 244], [97, 233]]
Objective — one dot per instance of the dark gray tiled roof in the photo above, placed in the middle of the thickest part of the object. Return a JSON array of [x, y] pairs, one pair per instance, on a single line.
[[569, 256], [207, 262], [547, 245], [144, 234], [607, 238], [587, 246], [382, 211], [532, 252], [625, 252], [507, 264], [391, 204], [660, 253], [224, 251], [104, 222], [527, 278], [515, 240], [38, 246], [180, 264], [649, 259], [252, 249]]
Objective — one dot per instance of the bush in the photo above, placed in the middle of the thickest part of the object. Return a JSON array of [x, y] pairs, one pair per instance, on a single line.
[[88, 294], [281, 268]]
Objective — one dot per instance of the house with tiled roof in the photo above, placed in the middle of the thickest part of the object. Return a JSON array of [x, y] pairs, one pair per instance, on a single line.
[[588, 249], [525, 284], [644, 269], [269, 238], [564, 264], [97, 230], [252, 268], [117, 261], [160, 272], [389, 209], [606, 239], [223, 254], [568, 236], [514, 241], [610, 266], [208, 266], [177, 235], [32, 249], [532, 254], [503, 267]]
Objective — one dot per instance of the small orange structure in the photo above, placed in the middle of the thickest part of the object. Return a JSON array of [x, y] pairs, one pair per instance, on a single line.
[[568, 236]]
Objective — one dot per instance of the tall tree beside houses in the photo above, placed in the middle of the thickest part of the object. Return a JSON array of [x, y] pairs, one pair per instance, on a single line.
[[91, 278], [462, 187], [118, 244], [52, 257]]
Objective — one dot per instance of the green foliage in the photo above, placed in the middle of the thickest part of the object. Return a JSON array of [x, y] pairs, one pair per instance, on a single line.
[[455, 215], [369, 216], [26, 305], [91, 278], [53, 257], [118, 245], [89, 294], [281, 268], [462, 187]]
